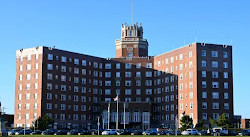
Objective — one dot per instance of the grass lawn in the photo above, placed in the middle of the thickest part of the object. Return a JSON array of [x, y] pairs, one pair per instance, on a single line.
[[103, 136]]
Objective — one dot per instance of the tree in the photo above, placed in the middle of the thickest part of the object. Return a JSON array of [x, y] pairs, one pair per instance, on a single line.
[[223, 121], [44, 122], [186, 122], [199, 125]]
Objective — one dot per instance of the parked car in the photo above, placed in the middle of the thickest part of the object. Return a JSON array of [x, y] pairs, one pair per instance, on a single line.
[[191, 131], [203, 132], [220, 131], [109, 132], [151, 131], [61, 132], [125, 132], [36, 132], [13, 131], [24, 131], [245, 132], [137, 132], [74, 131], [85, 132], [49, 132], [172, 132], [232, 133], [164, 132]]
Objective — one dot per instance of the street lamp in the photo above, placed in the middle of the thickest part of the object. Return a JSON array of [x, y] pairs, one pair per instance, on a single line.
[[98, 123]]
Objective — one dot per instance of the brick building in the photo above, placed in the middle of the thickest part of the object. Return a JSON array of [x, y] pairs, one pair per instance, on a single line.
[[74, 89]]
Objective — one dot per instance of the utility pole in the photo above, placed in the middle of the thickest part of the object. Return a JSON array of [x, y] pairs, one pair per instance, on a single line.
[[108, 113]]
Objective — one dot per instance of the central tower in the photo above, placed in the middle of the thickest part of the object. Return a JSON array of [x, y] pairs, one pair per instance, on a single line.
[[131, 44]]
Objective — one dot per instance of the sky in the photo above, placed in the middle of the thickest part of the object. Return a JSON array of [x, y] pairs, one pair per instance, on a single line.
[[92, 26]]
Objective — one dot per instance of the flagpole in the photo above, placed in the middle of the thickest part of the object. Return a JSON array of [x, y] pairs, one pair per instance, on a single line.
[[108, 113], [117, 116], [124, 115]]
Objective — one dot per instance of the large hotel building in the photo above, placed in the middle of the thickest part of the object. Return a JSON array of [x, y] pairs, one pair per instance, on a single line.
[[75, 89]]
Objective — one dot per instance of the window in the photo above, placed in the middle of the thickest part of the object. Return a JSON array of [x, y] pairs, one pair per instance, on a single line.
[[50, 66], [215, 74], [225, 74], [127, 74], [63, 78], [190, 64], [215, 64], [149, 65], [138, 65], [225, 95], [28, 67], [50, 57], [127, 91], [107, 83], [215, 105], [107, 91], [203, 74], [226, 106], [190, 95], [215, 116], [84, 63], [107, 66], [203, 63], [172, 59], [166, 60], [191, 105], [225, 85], [118, 65], [20, 68], [37, 56], [204, 105], [148, 74], [118, 82], [190, 54], [64, 59], [215, 95], [27, 96], [215, 84], [27, 87], [204, 116], [36, 86], [138, 91], [128, 66], [36, 66], [225, 65], [203, 53], [138, 74], [204, 94], [214, 54], [225, 55], [181, 56], [130, 54], [204, 84], [107, 74], [138, 82], [148, 91]]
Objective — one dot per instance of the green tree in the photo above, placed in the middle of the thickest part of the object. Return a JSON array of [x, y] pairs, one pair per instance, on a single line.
[[199, 125], [223, 121], [186, 122], [44, 122]]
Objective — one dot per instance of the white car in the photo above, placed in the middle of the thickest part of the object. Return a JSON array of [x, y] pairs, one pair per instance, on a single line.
[[109, 132], [220, 130], [190, 132]]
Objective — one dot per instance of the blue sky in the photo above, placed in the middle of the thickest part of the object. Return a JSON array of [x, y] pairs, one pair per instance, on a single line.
[[92, 26]]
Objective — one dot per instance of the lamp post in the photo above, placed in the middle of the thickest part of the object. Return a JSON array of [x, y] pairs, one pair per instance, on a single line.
[[98, 124]]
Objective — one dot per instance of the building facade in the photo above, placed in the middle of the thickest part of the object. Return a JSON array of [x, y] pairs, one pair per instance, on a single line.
[[75, 89]]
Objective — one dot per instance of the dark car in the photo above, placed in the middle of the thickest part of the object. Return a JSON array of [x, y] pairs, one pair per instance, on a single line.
[[164, 132], [232, 133], [137, 132], [61, 132], [36, 132], [74, 131], [202, 132], [49, 132], [125, 132], [245, 132], [173, 132], [24, 131], [85, 132]]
